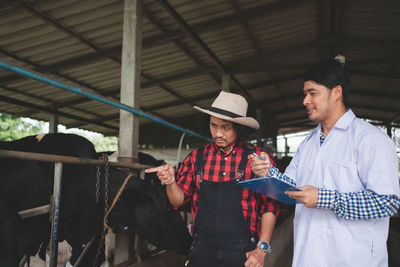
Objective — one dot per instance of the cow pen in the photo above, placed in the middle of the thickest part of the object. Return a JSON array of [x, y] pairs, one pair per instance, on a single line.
[[54, 206], [65, 159], [54, 209], [58, 159]]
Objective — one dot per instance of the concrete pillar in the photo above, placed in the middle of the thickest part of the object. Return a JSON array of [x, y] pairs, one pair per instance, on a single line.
[[53, 124], [130, 86], [130, 79], [226, 82]]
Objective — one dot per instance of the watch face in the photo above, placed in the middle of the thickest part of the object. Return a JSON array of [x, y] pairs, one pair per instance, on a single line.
[[264, 246]]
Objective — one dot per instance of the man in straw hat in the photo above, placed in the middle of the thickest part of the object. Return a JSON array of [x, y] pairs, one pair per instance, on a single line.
[[232, 225], [348, 173]]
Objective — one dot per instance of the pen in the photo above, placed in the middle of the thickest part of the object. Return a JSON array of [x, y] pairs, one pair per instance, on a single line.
[[258, 156]]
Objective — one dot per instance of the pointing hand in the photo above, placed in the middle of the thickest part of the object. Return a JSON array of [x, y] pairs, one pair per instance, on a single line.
[[165, 173]]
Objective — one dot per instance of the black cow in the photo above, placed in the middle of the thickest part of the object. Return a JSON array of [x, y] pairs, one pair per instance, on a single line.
[[27, 184]]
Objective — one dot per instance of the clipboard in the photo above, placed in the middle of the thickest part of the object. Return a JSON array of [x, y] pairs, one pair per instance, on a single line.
[[271, 187]]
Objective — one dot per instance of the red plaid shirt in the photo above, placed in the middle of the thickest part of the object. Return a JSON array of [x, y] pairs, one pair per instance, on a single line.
[[221, 167]]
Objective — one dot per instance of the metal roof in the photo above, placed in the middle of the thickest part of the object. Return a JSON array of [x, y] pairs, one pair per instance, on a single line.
[[265, 45]]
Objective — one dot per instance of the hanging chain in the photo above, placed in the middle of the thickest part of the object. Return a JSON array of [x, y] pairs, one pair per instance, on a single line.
[[106, 183], [98, 174], [106, 190]]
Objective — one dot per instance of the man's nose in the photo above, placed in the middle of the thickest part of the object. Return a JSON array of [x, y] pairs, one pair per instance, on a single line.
[[218, 133], [306, 100]]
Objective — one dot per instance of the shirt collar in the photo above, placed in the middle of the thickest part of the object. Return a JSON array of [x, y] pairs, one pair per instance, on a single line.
[[346, 119], [343, 123]]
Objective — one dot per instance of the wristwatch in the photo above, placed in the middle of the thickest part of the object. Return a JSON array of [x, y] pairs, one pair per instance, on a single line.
[[264, 246]]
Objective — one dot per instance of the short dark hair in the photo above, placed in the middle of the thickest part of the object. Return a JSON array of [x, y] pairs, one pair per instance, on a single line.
[[330, 74], [243, 132]]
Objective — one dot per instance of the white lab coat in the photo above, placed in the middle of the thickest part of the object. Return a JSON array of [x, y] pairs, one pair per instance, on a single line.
[[355, 156]]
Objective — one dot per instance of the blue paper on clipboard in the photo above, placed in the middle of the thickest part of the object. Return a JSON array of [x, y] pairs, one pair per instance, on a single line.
[[271, 187]]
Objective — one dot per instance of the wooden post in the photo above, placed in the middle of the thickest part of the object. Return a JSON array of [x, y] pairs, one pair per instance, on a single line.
[[130, 86]]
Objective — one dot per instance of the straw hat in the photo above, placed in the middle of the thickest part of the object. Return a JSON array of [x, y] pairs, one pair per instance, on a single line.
[[230, 107]]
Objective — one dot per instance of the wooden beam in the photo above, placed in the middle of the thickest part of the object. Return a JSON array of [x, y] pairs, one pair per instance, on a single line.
[[249, 34], [25, 214], [193, 35], [180, 44]]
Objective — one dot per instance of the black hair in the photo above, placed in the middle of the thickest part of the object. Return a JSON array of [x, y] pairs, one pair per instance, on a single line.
[[330, 74], [243, 132]]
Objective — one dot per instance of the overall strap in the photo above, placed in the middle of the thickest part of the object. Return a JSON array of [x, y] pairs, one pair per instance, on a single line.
[[247, 150], [199, 164]]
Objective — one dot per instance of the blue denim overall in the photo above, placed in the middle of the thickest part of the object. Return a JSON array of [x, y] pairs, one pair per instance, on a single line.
[[222, 236]]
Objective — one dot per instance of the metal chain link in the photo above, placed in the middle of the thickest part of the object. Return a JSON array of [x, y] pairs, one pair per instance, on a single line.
[[106, 183], [98, 174], [106, 190]]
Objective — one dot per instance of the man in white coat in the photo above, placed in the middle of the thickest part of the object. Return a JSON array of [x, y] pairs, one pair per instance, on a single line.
[[347, 170]]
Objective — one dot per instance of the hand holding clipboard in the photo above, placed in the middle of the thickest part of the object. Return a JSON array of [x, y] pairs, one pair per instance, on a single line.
[[260, 164], [267, 185]]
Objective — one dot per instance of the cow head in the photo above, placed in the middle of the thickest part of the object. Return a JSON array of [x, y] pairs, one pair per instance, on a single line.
[[144, 208]]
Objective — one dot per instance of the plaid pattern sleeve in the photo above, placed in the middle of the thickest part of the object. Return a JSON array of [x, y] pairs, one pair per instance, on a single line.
[[358, 205], [185, 176], [274, 172]]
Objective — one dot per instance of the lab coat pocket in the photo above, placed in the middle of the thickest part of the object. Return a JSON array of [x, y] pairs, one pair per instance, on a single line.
[[341, 175], [332, 249]]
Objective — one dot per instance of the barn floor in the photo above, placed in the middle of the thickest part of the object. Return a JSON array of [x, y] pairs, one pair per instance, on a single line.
[[166, 259]]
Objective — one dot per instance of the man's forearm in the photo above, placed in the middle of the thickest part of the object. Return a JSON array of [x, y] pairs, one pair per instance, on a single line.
[[268, 220], [175, 195], [358, 205]]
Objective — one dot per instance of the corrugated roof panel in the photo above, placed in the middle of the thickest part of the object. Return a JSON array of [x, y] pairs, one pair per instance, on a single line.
[[290, 37], [200, 11], [47, 5], [176, 111], [154, 96], [78, 7], [59, 54], [10, 15], [86, 16], [372, 19], [24, 22]]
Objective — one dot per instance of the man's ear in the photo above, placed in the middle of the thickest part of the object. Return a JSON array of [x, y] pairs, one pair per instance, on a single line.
[[338, 92]]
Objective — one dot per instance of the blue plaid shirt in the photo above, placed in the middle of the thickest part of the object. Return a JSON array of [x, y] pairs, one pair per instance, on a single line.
[[354, 206]]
